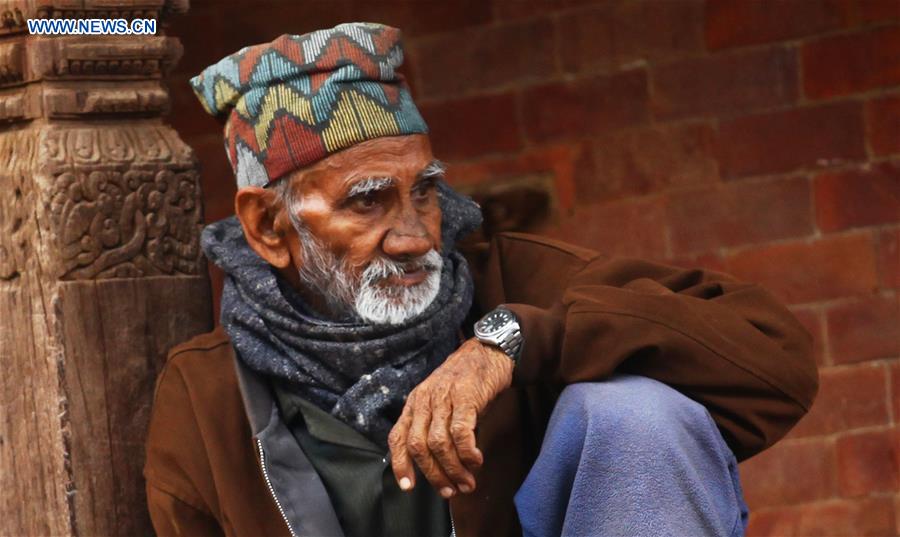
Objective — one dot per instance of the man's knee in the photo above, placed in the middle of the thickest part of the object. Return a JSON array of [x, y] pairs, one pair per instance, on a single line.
[[633, 410], [639, 450]]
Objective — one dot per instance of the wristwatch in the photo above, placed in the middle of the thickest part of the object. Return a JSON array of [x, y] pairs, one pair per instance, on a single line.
[[500, 328]]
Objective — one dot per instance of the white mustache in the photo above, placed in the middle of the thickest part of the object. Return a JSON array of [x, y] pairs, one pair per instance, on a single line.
[[382, 268], [396, 304]]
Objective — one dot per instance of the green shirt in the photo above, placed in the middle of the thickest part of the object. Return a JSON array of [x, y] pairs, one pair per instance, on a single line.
[[358, 477]]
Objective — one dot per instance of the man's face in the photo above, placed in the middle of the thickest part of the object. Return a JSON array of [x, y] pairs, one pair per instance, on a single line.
[[368, 232]]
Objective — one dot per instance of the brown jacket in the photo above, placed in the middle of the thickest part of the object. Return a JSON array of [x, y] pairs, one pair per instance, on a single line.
[[729, 345]]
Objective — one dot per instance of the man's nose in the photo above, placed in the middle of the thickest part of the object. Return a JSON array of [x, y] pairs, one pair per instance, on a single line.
[[407, 239]]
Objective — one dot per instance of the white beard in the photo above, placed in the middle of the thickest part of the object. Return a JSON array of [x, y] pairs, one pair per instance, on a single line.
[[367, 297], [381, 304]]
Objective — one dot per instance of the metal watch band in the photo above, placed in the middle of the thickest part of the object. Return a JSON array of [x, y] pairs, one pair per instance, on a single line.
[[513, 346], [509, 339]]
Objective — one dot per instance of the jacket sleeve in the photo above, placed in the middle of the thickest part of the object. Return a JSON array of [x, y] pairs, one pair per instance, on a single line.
[[175, 505], [727, 344]]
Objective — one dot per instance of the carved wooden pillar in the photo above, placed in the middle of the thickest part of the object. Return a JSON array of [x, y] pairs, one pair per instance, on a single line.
[[100, 266]]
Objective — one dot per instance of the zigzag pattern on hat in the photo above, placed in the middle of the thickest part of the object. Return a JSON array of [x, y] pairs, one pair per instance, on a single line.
[[299, 98]]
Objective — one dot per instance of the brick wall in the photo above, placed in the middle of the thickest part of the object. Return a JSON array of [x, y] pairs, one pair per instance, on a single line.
[[761, 138]]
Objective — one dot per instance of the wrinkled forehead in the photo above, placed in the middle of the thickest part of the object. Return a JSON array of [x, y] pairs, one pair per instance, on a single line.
[[384, 161]]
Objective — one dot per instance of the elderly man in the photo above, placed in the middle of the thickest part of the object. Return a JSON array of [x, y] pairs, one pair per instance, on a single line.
[[350, 390]]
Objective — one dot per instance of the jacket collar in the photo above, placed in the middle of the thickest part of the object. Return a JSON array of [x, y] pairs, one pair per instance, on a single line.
[[296, 488]]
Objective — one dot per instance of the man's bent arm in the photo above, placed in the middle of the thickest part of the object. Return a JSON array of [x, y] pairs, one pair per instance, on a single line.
[[726, 344]]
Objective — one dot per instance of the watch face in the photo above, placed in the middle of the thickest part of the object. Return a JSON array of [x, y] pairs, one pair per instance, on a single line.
[[494, 321]]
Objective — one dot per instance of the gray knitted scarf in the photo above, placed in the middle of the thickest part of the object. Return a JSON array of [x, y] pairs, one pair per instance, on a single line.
[[360, 373]]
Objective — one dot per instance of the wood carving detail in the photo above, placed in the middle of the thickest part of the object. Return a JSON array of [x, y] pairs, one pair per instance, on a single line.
[[100, 263], [139, 57], [109, 67], [12, 70], [12, 106], [20, 103], [122, 201], [12, 20], [109, 224], [67, 103], [16, 151], [112, 145], [147, 10]]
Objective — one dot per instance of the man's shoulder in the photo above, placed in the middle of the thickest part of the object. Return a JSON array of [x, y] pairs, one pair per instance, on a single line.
[[525, 249], [525, 268], [204, 364], [204, 351], [198, 387], [214, 341], [541, 244]]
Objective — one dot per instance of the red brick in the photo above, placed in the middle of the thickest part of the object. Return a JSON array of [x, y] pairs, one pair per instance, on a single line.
[[848, 398], [644, 160], [784, 141], [564, 163], [586, 107], [520, 9], [739, 213], [422, 18], [200, 48], [897, 513], [732, 23], [865, 329], [789, 473], [655, 29], [889, 257], [254, 24], [612, 34], [586, 39], [216, 177], [846, 64], [867, 462], [813, 320], [883, 125], [831, 267], [862, 197], [474, 126], [877, 10], [484, 58], [894, 369], [726, 84], [631, 227], [872, 517]]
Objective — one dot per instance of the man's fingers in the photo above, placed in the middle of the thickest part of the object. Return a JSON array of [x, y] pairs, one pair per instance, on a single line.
[[401, 462], [442, 447], [462, 432], [417, 446]]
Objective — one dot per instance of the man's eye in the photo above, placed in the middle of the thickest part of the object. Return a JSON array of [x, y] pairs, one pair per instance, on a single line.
[[363, 202], [423, 190]]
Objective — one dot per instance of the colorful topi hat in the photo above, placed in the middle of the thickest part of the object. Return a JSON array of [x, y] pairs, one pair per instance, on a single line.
[[296, 100]]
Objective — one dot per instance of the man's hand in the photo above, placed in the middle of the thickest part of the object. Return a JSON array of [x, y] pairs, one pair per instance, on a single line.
[[437, 426]]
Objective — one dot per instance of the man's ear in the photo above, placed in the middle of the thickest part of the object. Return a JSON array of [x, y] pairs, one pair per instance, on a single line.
[[257, 209]]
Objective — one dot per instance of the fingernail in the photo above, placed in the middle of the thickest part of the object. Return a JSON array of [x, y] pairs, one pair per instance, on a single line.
[[405, 483], [446, 492], [464, 488]]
